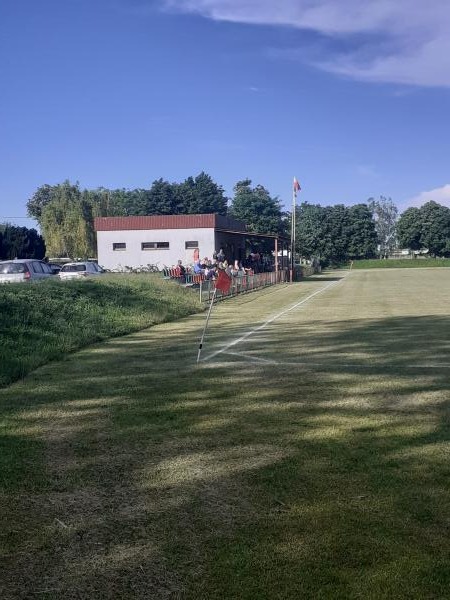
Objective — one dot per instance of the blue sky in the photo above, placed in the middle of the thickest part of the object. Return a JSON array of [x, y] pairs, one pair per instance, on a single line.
[[350, 97]]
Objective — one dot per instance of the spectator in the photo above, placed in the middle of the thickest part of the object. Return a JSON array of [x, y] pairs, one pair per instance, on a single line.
[[181, 268], [198, 268]]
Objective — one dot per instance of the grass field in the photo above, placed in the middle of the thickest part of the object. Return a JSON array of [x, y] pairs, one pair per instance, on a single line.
[[307, 456], [419, 263], [46, 321]]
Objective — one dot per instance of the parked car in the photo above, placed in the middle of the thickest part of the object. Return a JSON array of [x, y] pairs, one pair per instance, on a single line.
[[55, 268], [79, 270], [26, 269]]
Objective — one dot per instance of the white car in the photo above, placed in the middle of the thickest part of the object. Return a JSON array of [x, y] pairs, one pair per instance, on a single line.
[[80, 270], [26, 269]]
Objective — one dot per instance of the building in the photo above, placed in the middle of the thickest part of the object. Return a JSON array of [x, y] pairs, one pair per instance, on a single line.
[[162, 240]]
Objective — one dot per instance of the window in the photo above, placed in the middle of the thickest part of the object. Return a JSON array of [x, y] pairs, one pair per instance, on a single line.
[[190, 245], [46, 268], [36, 267], [75, 268], [119, 246], [13, 268], [155, 246]]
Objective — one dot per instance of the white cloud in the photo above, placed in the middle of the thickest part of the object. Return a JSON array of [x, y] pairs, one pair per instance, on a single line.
[[440, 195], [399, 41]]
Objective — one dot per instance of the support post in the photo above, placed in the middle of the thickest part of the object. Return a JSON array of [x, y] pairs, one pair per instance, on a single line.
[[276, 259], [206, 325]]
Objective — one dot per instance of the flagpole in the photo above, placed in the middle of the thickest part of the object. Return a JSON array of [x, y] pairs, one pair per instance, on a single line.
[[294, 197], [206, 325]]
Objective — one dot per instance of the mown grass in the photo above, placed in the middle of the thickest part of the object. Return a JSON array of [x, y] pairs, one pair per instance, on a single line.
[[309, 460], [400, 264], [46, 321]]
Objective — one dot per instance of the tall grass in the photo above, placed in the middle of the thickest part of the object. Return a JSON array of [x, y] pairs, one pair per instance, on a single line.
[[43, 322]]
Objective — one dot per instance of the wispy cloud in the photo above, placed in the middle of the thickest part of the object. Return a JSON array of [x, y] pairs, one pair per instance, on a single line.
[[398, 41], [440, 195]]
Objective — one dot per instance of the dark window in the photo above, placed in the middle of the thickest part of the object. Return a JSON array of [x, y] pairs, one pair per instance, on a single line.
[[73, 268], [119, 246], [190, 245], [46, 268], [36, 267], [155, 246]]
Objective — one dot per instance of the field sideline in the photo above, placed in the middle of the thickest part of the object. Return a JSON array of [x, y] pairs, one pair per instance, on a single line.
[[307, 456]]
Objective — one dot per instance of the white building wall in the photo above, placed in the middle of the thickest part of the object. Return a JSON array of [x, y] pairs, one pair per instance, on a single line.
[[134, 256]]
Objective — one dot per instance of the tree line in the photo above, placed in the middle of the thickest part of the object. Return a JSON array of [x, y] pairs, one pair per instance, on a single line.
[[66, 213], [333, 234], [20, 242], [425, 228]]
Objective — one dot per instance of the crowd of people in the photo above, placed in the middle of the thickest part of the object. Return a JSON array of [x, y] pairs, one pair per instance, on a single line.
[[208, 268]]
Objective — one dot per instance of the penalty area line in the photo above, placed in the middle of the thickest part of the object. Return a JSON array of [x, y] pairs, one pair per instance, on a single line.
[[269, 321]]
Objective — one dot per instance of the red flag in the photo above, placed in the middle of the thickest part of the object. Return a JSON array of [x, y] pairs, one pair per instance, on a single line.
[[223, 282], [297, 187]]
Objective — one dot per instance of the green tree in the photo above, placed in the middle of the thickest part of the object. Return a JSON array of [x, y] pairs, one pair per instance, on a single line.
[[163, 198], [200, 195], [435, 221], [66, 222], [336, 239], [409, 229], [385, 215], [41, 197], [361, 233], [20, 242], [256, 208], [311, 230], [333, 234]]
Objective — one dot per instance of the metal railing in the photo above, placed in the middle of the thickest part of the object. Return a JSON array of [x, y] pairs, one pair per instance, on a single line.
[[243, 284]]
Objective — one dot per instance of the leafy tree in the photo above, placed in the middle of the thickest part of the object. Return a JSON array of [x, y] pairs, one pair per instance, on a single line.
[[385, 215], [66, 223], [256, 208], [435, 236], [138, 202], [409, 229], [163, 198], [41, 197], [336, 234], [311, 229], [361, 233], [107, 203], [200, 195], [20, 242]]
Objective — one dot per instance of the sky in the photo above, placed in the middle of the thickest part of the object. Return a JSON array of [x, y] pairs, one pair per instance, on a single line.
[[351, 97]]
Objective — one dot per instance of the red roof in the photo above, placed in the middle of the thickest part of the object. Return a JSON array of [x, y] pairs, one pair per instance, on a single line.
[[211, 221]]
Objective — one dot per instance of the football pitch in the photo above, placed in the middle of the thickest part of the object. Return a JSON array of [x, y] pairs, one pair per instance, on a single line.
[[305, 456]]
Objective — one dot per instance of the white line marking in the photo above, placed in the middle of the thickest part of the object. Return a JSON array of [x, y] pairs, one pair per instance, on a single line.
[[271, 320], [327, 365], [251, 358]]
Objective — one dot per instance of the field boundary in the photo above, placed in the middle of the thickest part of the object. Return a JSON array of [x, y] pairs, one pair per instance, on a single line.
[[235, 342], [326, 365]]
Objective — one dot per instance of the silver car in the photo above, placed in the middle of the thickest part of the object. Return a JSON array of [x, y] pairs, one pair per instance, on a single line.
[[26, 269], [80, 270]]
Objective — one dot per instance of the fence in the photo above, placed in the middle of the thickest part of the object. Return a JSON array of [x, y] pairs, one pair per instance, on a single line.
[[187, 278], [245, 283]]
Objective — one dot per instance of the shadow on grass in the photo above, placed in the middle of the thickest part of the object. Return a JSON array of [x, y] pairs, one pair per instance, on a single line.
[[236, 480]]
